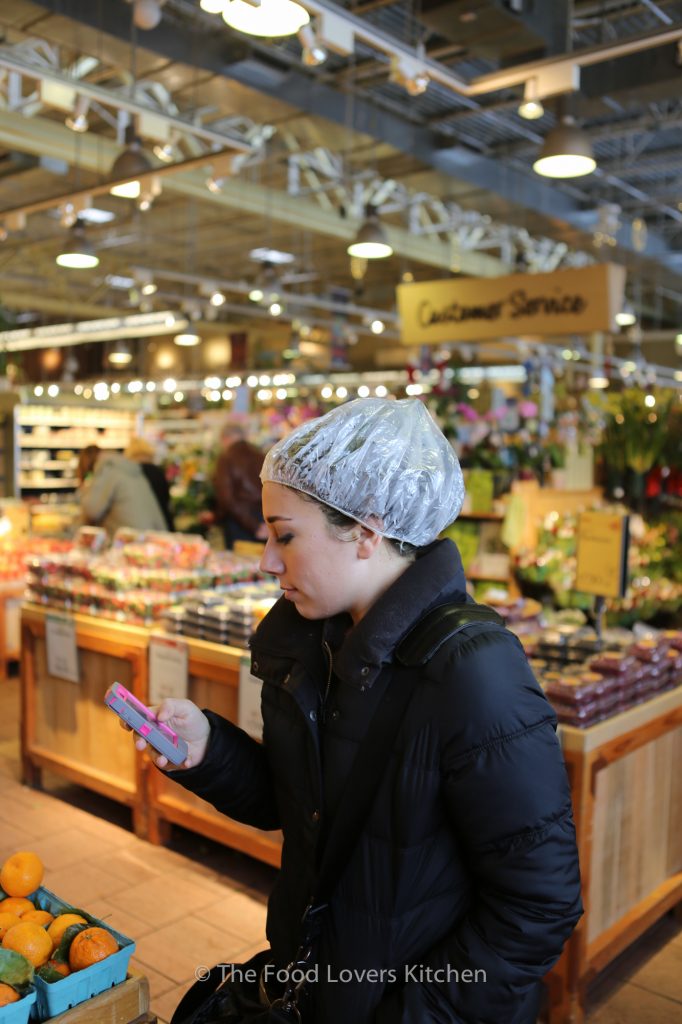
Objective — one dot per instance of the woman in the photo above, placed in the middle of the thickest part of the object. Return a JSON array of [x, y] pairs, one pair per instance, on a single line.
[[142, 452], [114, 492], [464, 884]]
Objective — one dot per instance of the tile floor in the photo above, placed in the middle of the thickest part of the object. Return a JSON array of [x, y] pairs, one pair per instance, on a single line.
[[196, 902]]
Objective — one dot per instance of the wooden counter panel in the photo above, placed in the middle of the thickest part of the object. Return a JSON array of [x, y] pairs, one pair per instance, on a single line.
[[637, 838]]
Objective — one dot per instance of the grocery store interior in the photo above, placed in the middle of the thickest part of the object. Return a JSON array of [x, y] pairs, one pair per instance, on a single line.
[[221, 219]]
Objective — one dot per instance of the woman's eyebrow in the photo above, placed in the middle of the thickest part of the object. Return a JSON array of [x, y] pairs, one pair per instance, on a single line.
[[277, 519]]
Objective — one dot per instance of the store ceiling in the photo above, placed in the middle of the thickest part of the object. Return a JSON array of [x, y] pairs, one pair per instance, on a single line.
[[341, 132]]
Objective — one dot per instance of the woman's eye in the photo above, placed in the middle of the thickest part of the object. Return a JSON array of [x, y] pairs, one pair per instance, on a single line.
[[285, 538]]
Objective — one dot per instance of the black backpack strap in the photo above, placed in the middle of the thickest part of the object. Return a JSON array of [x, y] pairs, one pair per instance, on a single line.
[[439, 625]]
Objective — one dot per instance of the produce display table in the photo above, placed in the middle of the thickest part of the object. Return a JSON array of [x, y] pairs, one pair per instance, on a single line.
[[213, 683], [65, 726], [626, 786]]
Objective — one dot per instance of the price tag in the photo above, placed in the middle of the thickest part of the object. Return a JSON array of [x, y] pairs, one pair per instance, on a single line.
[[168, 674], [62, 652], [250, 718], [602, 554]]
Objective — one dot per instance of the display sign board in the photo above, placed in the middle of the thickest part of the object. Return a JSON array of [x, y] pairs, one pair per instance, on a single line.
[[250, 718], [602, 554], [168, 676], [62, 652], [575, 301]]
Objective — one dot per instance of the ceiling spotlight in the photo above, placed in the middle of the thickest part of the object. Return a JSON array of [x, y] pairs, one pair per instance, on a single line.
[[77, 253], [187, 340], [147, 13], [165, 152], [149, 288], [377, 327], [129, 163], [566, 152], [256, 295], [626, 316], [531, 108], [371, 242], [275, 309], [212, 6], [410, 74], [314, 53], [215, 185], [271, 18], [217, 298], [77, 121]]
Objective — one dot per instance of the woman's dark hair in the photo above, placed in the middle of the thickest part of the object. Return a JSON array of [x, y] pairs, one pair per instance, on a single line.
[[343, 522], [87, 460]]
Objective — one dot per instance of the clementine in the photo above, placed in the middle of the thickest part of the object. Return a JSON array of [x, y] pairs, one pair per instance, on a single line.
[[30, 940], [60, 924], [41, 917], [8, 995], [90, 946], [59, 966], [16, 905], [21, 873]]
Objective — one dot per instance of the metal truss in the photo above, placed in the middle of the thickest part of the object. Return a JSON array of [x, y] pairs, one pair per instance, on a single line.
[[119, 101], [321, 173]]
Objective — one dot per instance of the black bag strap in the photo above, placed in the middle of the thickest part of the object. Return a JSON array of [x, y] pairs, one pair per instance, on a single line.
[[420, 644]]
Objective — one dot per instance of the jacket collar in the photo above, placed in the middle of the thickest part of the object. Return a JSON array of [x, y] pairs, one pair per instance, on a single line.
[[435, 577]]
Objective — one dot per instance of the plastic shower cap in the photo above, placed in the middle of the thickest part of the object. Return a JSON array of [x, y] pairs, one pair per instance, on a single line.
[[381, 462]]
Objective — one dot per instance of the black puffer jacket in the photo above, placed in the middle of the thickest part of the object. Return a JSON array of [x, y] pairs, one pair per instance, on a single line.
[[468, 862]]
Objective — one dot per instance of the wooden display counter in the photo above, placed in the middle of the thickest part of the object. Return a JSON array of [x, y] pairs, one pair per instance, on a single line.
[[213, 671], [11, 593], [626, 786], [66, 726]]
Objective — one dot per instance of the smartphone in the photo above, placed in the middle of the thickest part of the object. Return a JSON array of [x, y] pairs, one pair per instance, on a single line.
[[145, 723]]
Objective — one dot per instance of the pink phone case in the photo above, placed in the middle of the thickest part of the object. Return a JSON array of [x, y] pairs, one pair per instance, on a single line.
[[144, 722]]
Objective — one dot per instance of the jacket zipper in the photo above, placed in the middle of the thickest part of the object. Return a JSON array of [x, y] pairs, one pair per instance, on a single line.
[[323, 701]]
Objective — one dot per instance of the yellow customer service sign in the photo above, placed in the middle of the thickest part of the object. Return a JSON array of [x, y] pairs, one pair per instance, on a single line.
[[459, 309]]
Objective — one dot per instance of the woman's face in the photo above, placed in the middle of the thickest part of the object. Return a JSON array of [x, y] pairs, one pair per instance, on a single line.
[[320, 572]]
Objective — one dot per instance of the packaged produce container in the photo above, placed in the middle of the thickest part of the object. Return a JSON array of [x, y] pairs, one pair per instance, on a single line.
[[56, 997], [18, 1013]]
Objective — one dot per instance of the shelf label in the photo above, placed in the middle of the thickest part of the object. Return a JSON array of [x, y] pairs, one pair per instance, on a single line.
[[62, 652], [250, 718], [168, 672], [602, 554]]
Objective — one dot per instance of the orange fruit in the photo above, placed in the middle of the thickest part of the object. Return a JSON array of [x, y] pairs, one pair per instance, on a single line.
[[6, 922], [59, 966], [90, 946], [16, 905], [21, 873], [30, 940], [60, 924], [41, 917], [8, 995]]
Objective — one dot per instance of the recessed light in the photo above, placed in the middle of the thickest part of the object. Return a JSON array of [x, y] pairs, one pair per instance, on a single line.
[[93, 215], [265, 255]]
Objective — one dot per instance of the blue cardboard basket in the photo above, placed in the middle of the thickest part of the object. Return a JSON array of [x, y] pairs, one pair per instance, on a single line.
[[18, 1013], [58, 996]]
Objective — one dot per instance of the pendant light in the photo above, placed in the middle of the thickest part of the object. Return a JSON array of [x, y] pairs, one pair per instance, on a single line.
[[270, 18], [129, 163], [371, 242], [566, 152], [77, 253]]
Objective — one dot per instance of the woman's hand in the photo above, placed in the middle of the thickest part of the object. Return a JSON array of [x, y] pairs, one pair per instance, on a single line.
[[189, 722]]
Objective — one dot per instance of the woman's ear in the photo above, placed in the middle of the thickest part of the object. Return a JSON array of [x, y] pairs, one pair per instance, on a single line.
[[367, 542]]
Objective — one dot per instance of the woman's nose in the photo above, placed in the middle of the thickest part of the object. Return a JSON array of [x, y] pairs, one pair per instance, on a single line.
[[270, 561]]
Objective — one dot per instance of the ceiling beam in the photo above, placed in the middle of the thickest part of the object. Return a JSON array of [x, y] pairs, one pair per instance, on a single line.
[[95, 153]]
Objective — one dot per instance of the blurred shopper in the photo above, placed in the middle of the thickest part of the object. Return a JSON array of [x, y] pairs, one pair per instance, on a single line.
[[114, 492], [237, 487], [141, 451]]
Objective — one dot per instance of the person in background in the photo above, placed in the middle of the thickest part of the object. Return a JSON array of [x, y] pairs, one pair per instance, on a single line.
[[464, 883], [237, 487], [141, 451], [114, 492]]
